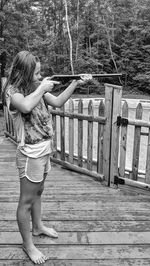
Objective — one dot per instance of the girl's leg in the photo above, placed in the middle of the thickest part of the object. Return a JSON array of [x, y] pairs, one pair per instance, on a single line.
[[28, 194], [37, 226]]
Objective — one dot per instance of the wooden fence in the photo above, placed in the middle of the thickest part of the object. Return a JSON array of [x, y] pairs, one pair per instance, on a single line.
[[69, 128], [138, 140], [74, 137], [97, 144], [85, 140]]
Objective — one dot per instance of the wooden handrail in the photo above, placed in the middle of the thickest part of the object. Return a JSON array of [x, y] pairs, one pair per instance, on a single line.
[[89, 118]]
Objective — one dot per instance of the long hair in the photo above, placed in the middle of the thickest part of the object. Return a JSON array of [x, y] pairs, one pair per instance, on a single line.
[[21, 73]]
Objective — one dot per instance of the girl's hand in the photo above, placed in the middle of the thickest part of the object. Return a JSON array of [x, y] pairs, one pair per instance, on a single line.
[[84, 78], [48, 84]]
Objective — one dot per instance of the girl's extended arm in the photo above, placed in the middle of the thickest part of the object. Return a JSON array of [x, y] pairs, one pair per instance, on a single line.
[[58, 101]]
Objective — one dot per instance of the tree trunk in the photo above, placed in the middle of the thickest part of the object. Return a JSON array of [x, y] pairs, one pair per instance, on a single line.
[[77, 44], [110, 48], [70, 39]]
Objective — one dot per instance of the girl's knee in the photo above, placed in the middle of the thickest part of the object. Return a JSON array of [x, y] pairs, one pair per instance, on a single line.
[[26, 201], [30, 191]]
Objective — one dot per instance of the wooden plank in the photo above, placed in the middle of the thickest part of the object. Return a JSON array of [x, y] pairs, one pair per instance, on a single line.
[[103, 262], [90, 137], [54, 118], [147, 176], [82, 238], [80, 116], [115, 130], [80, 135], [47, 197], [116, 215], [136, 146], [6, 117], [100, 140], [70, 180], [80, 169], [85, 226], [71, 132], [123, 141], [55, 191], [53, 185], [91, 262], [138, 122], [80, 205], [81, 252], [62, 134], [107, 130]]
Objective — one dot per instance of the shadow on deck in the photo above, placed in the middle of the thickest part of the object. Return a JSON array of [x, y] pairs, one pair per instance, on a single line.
[[97, 225]]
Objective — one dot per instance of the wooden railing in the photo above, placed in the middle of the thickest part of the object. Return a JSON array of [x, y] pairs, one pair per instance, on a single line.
[[73, 128], [97, 144], [135, 134], [70, 126], [75, 135]]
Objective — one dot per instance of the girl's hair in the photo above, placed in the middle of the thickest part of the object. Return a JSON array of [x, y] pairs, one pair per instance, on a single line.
[[21, 72]]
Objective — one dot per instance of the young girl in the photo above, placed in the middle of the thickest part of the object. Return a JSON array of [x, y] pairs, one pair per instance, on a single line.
[[27, 101]]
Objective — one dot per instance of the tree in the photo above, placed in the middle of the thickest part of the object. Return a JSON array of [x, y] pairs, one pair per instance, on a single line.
[[69, 34]]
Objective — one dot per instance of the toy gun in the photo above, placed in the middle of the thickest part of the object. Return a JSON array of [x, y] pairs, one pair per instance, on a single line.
[[69, 77]]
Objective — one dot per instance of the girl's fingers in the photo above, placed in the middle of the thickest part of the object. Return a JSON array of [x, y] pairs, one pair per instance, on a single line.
[[55, 82], [86, 76], [52, 81]]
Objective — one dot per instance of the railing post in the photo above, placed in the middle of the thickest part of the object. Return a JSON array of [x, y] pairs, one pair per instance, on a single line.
[[116, 111], [113, 96], [107, 130]]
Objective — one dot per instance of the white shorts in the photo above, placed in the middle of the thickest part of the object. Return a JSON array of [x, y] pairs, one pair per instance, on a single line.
[[34, 169]]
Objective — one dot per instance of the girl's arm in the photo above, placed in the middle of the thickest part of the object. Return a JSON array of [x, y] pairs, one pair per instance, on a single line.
[[58, 101], [27, 103]]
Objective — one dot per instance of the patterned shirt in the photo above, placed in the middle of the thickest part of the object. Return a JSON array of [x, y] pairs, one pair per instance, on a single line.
[[37, 124]]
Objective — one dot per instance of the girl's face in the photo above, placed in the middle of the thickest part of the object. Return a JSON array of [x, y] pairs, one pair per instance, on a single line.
[[37, 72]]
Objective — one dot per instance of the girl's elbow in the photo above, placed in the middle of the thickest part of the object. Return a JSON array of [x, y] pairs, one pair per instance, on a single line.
[[26, 109], [57, 104]]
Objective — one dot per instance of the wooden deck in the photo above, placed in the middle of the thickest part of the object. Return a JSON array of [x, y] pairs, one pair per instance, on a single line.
[[97, 225]]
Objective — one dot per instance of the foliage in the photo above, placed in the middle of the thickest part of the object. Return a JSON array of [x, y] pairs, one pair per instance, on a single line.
[[108, 36]]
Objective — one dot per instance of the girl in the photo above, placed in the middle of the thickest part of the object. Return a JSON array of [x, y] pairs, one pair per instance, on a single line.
[[27, 101]]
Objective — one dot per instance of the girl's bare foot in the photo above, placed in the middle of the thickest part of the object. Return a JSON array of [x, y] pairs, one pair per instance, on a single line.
[[43, 230], [34, 254]]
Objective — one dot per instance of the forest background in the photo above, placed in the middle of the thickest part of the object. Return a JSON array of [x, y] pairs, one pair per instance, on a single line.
[[108, 36]]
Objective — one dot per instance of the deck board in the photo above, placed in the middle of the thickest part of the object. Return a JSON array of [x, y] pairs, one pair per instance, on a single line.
[[97, 225]]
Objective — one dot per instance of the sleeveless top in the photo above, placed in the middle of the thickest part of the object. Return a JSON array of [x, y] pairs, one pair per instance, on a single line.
[[31, 128]]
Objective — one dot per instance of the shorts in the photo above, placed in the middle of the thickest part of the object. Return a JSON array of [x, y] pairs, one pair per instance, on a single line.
[[34, 169]]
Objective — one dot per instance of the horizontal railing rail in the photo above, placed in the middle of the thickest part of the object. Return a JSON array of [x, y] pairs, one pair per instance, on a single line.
[[89, 118]]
